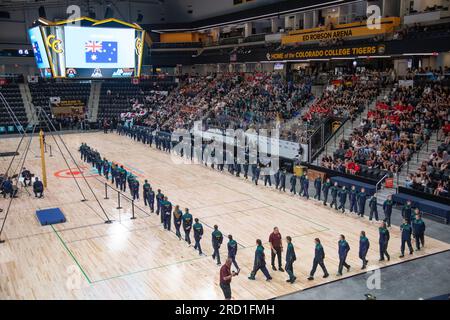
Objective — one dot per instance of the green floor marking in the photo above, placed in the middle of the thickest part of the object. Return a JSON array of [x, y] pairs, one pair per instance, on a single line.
[[71, 254]]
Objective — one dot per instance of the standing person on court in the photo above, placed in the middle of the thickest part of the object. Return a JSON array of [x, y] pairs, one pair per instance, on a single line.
[[187, 225], [293, 182], [245, 166], [151, 199], [334, 194], [123, 179], [373, 208], [146, 189], [135, 189], [267, 179], [387, 208], [159, 199], [283, 181], [384, 237], [106, 168], [277, 178], [342, 198], [362, 197], [318, 187], [407, 211], [306, 186], [418, 230], [166, 211], [276, 247], [232, 251], [177, 214], [260, 262], [113, 172], [198, 234], [406, 231], [302, 184], [217, 239], [325, 188], [319, 257], [364, 245], [225, 279], [343, 249], [290, 258], [353, 195], [257, 173]]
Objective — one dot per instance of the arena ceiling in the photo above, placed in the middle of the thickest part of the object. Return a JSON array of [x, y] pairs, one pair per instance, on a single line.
[[153, 11]]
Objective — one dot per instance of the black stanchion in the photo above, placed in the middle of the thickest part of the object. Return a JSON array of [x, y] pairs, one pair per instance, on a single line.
[[50, 146], [118, 200], [106, 191], [132, 210]]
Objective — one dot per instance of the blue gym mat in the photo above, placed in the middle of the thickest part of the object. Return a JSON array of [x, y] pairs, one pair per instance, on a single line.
[[50, 216]]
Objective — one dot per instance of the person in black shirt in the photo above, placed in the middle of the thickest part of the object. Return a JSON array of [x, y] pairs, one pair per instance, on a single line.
[[38, 188]]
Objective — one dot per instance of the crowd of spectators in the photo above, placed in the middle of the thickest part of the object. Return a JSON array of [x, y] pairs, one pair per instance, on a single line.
[[433, 174], [395, 129], [230, 100]]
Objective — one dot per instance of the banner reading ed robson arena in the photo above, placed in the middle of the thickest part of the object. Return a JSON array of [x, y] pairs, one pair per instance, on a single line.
[[327, 53]]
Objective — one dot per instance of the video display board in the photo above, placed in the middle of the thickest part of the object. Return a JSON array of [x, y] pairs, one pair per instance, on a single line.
[[40, 54], [88, 52]]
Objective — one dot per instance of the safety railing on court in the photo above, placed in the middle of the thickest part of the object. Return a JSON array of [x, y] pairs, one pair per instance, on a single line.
[[120, 196], [404, 164], [378, 183], [49, 148]]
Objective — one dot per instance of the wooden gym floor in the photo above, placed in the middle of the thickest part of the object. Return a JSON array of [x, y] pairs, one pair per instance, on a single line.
[[85, 258]]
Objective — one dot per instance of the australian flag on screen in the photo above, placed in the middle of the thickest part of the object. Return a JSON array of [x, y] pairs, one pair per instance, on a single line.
[[37, 52], [101, 51]]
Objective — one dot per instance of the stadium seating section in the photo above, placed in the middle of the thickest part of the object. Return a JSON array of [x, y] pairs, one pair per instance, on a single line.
[[12, 95]]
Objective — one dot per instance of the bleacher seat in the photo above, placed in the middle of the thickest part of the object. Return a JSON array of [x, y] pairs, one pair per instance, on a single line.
[[112, 105], [12, 95]]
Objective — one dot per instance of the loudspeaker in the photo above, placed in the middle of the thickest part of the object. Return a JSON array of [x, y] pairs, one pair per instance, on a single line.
[[42, 13], [109, 13]]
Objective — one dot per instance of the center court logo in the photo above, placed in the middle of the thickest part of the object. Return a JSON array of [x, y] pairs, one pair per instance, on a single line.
[[77, 174]]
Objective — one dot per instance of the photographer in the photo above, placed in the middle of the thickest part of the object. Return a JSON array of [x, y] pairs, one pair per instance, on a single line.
[[225, 278]]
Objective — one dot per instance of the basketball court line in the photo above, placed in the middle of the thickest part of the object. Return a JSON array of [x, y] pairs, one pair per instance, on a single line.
[[179, 262], [283, 210], [182, 261], [368, 270], [90, 281], [72, 255]]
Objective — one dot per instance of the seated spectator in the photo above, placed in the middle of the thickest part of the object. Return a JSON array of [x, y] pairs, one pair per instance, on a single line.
[[38, 188], [8, 188], [26, 175]]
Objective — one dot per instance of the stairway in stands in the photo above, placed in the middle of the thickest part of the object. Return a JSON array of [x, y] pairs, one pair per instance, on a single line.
[[345, 131], [93, 101], [27, 103], [410, 167]]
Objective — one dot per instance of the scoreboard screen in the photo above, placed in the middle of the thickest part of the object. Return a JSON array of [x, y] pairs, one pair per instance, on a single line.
[[38, 46], [100, 50], [88, 51]]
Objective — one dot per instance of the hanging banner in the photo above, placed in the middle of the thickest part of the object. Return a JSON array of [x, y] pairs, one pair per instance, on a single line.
[[342, 31], [355, 51]]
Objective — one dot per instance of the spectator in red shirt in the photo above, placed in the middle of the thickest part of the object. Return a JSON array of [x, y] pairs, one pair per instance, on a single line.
[[446, 127], [276, 247], [225, 278]]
